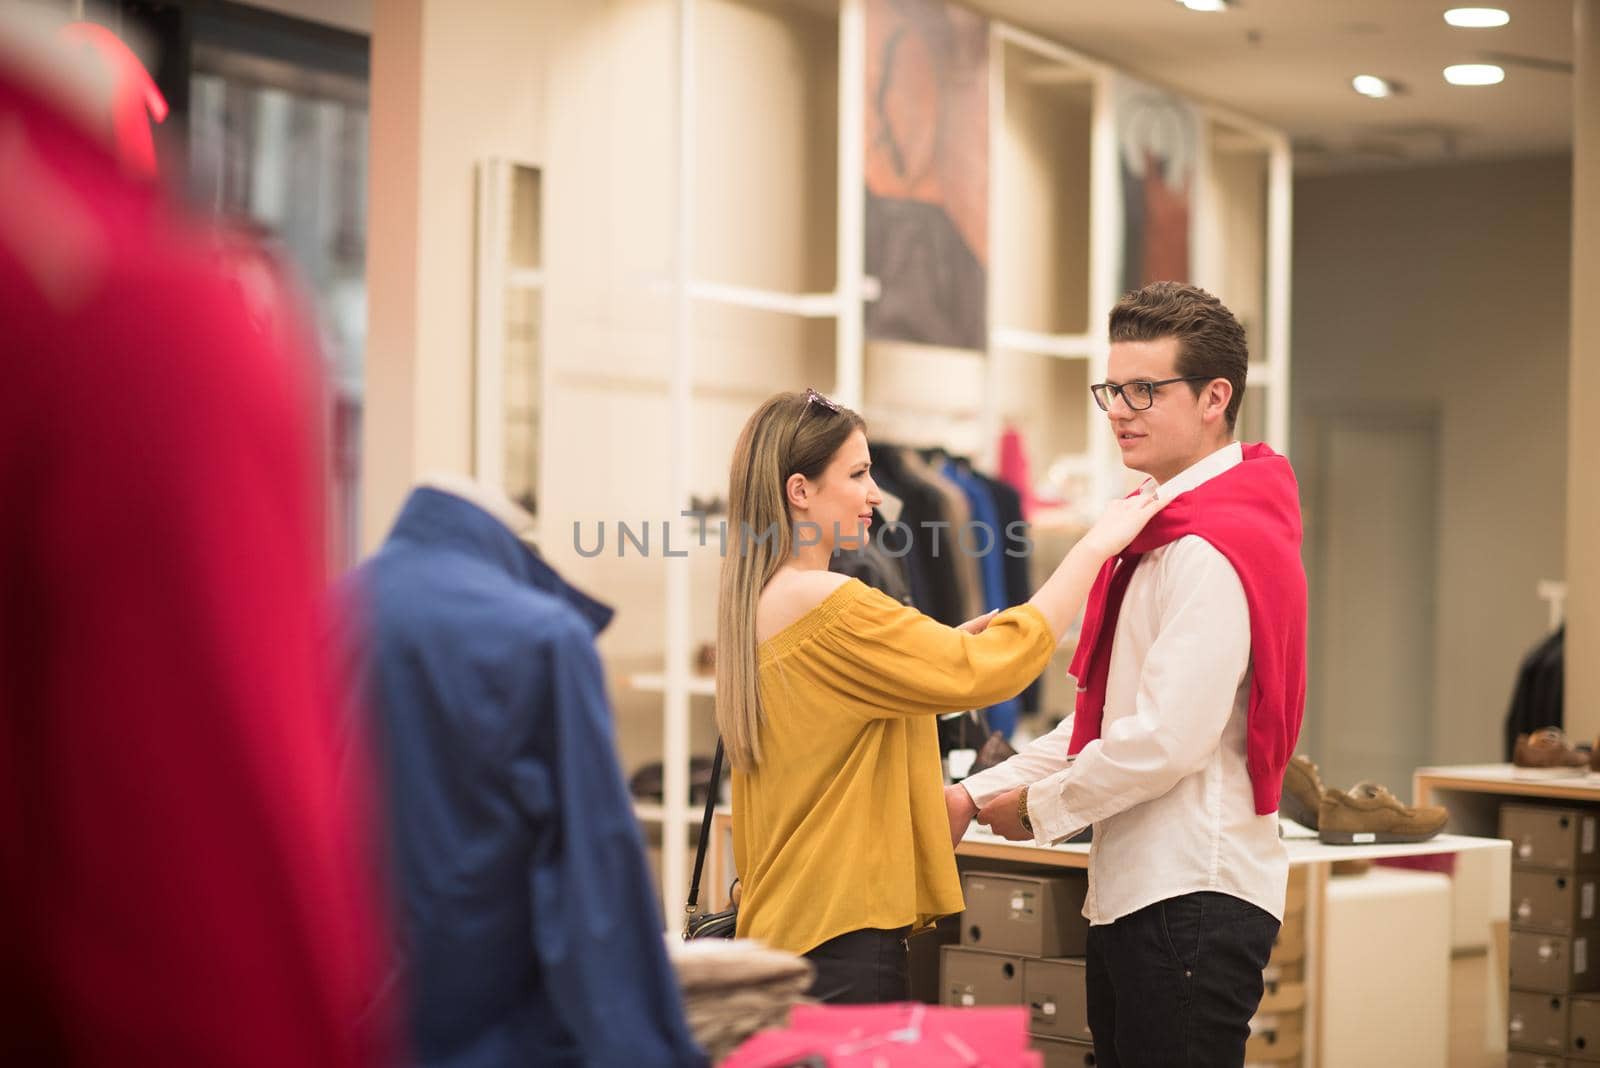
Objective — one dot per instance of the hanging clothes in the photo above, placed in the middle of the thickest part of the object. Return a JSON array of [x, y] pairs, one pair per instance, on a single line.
[[983, 543], [943, 541], [1536, 699], [873, 565], [935, 586], [184, 873], [1014, 469], [1013, 562]]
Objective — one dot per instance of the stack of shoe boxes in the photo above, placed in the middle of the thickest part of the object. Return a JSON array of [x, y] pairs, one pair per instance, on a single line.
[[1022, 943], [1277, 1033], [1554, 1016]]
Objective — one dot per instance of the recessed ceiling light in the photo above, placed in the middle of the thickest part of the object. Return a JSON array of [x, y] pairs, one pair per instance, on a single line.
[[1371, 85], [1206, 5], [1476, 18], [1474, 74]]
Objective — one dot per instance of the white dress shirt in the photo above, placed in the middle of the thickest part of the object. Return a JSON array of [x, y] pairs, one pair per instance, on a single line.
[[1165, 785]]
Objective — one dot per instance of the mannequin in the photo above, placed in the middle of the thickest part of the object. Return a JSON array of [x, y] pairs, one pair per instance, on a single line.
[[490, 498]]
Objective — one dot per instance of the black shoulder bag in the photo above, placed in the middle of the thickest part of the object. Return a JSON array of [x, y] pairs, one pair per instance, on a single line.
[[715, 924]]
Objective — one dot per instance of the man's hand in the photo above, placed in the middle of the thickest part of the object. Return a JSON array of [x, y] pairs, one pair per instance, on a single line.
[[959, 804], [978, 624], [1001, 816]]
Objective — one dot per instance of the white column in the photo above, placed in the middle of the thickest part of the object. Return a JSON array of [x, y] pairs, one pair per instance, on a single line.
[[675, 813], [848, 387]]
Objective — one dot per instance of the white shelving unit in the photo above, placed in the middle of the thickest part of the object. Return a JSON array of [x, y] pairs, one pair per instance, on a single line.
[[508, 368], [1243, 172], [698, 686]]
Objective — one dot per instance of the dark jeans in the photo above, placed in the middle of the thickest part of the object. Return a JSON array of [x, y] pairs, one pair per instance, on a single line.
[[861, 968], [1176, 983]]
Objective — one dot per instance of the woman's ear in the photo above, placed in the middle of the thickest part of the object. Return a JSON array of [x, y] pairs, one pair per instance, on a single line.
[[794, 492]]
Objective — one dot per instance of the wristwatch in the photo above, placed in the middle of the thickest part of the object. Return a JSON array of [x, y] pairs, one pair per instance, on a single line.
[[1022, 810]]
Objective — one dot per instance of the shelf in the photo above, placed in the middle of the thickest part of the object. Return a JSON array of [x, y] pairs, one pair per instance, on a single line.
[[802, 305], [1042, 148], [805, 305], [699, 685], [1512, 781], [656, 812], [1063, 346]]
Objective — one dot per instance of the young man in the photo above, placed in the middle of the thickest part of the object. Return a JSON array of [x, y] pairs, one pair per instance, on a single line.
[[1191, 686]]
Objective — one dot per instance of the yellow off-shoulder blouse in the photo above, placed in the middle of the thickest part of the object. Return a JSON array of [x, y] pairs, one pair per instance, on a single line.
[[843, 824]]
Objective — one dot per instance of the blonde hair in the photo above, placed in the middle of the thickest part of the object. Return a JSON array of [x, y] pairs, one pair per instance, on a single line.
[[791, 433]]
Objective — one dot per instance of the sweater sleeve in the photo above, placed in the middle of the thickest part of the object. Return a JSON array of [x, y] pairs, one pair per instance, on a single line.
[[892, 660]]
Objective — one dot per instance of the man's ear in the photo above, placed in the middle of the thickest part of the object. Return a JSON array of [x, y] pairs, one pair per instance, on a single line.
[[1218, 394], [794, 492]]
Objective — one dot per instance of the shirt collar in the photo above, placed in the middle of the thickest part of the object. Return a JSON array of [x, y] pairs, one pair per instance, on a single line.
[[1200, 471]]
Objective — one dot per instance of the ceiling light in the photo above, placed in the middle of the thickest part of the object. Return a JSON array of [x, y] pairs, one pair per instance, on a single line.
[[1476, 18], [1371, 85], [1474, 74], [1205, 5]]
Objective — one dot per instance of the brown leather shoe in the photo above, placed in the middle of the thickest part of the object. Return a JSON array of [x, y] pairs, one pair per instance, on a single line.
[[1302, 791], [1547, 747], [1367, 814], [995, 751]]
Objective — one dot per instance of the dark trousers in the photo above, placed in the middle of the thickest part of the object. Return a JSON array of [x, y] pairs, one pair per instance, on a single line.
[[1176, 983], [861, 968]]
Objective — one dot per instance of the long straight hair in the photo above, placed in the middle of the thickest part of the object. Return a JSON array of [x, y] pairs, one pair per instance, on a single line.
[[789, 434]]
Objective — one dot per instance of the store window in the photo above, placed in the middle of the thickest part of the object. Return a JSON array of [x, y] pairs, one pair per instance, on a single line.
[[277, 135]]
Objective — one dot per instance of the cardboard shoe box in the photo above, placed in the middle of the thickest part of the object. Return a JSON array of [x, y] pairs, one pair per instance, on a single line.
[[1553, 901], [1274, 1039], [1278, 998], [1519, 1059], [1583, 1029], [1057, 998], [923, 957], [1551, 964], [1290, 945], [1537, 1022], [1558, 839], [1277, 973], [977, 977], [1029, 915], [1060, 1053]]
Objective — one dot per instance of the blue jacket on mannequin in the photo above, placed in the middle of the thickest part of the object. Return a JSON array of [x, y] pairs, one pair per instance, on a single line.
[[528, 930]]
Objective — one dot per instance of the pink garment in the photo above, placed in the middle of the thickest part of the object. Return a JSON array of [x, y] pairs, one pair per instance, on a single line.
[[136, 101], [908, 1034], [1014, 467]]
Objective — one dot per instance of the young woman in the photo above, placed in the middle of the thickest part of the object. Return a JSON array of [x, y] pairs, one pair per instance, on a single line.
[[826, 697]]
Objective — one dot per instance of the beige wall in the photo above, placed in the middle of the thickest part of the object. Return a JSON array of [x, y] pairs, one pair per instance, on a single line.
[[449, 87], [1583, 488], [457, 82], [1041, 260], [1445, 291]]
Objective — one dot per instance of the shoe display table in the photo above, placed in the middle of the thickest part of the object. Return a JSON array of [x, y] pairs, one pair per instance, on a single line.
[[1311, 863], [1312, 860], [1386, 969]]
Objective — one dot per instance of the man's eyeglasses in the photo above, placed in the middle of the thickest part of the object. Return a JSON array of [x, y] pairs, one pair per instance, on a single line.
[[813, 397], [1137, 395]]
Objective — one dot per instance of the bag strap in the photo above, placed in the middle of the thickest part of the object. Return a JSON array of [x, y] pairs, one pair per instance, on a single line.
[[693, 904]]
